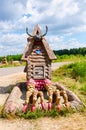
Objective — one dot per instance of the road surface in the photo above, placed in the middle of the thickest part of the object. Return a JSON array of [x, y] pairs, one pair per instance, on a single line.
[[13, 70]]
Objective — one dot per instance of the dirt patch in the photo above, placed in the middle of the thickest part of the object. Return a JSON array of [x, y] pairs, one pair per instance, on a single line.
[[6, 82], [73, 122]]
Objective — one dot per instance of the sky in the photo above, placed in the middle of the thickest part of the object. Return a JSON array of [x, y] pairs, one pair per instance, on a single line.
[[66, 21]]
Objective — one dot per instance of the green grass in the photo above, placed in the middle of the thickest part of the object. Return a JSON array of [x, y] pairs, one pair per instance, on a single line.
[[64, 58], [74, 70], [1, 111], [40, 113], [73, 76], [83, 88], [8, 65], [12, 65]]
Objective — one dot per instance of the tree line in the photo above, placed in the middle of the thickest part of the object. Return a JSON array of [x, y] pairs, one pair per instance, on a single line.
[[73, 51], [16, 57]]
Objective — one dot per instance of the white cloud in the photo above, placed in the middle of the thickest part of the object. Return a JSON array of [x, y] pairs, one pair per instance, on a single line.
[[63, 18], [11, 9], [12, 38], [63, 9], [12, 44], [1, 47], [57, 43]]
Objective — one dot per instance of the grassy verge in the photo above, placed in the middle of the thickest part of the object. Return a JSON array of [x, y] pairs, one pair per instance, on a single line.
[[74, 58], [73, 76], [12, 65], [40, 113]]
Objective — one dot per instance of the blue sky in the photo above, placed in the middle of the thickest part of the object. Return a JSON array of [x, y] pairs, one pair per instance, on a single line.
[[66, 21]]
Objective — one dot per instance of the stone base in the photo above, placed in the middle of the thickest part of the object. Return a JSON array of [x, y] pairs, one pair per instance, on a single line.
[[16, 99]]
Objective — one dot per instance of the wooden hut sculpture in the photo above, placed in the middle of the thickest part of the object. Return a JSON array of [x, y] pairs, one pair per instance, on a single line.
[[38, 56]]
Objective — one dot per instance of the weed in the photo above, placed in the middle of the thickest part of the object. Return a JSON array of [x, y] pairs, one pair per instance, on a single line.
[[40, 113], [83, 88], [1, 111]]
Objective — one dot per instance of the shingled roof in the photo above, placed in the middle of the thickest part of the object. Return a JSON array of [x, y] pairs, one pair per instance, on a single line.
[[30, 43]]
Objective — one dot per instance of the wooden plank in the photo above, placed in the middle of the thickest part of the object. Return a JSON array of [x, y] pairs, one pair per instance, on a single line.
[[34, 54], [37, 57], [50, 53], [38, 60]]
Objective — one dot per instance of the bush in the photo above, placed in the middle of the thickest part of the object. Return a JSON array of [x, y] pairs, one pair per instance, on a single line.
[[79, 71]]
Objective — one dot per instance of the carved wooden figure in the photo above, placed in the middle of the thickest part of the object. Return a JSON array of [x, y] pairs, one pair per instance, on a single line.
[[4, 60], [38, 57]]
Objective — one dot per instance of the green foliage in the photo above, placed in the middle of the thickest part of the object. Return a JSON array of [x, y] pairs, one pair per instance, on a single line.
[[31, 115], [77, 71], [65, 57], [73, 70], [73, 51], [40, 113], [83, 89], [73, 76], [1, 111], [16, 57]]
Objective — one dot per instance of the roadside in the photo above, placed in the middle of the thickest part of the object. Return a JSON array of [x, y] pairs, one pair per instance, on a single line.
[[11, 70], [75, 121]]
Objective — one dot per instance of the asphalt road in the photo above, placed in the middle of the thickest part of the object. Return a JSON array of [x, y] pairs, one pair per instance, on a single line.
[[13, 70]]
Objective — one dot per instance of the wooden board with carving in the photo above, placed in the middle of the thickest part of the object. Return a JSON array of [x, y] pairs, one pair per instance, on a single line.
[[39, 72]]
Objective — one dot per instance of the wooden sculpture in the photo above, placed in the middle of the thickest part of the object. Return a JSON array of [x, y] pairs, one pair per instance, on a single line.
[[38, 56]]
